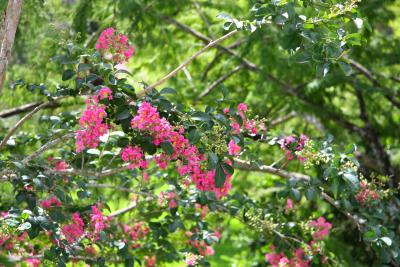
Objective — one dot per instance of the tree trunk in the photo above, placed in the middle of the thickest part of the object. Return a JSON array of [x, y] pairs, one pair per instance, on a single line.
[[7, 35]]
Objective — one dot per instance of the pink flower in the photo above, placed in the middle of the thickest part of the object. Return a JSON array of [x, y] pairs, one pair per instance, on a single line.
[[33, 262], [61, 165], [92, 123], [116, 44], [148, 120], [98, 221], [242, 107], [289, 205], [73, 231], [233, 148], [135, 157], [226, 110], [236, 127], [321, 227], [105, 92], [51, 202], [150, 261], [172, 204]]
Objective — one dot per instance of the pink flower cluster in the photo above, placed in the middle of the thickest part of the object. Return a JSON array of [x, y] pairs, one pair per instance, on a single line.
[[105, 92], [116, 44], [170, 197], [61, 165], [135, 157], [200, 245], [233, 148], [137, 231], [33, 262], [300, 258], [98, 221], [249, 125], [50, 202], [289, 144], [280, 260], [74, 231], [366, 194], [150, 261], [189, 159], [321, 227], [92, 123]]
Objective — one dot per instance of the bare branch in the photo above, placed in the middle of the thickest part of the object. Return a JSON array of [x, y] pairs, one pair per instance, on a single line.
[[122, 211], [218, 81], [244, 165], [20, 122], [7, 35], [24, 108], [186, 62], [370, 76], [47, 146], [284, 118]]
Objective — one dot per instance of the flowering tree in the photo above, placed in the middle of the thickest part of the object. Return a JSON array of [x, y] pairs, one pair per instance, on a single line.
[[176, 166]]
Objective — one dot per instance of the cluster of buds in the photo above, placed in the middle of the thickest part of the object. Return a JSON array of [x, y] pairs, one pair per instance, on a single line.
[[366, 194]]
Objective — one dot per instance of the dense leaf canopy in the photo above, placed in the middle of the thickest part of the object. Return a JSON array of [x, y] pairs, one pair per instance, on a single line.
[[279, 141]]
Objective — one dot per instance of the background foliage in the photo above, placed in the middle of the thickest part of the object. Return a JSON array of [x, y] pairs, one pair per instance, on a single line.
[[343, 86]]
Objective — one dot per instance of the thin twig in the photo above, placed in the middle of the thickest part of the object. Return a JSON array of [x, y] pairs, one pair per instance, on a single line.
[[185, 63], [244, 165], [122, 211], [219, 81], [24, 108], [47, 146], [20, 122]]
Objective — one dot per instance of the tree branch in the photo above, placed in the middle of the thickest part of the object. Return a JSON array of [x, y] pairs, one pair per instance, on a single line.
[[47, 146], [7, 35], [218, 81], [185, 63], [25, 108], [370, 76], [244, 165], [21, 121]]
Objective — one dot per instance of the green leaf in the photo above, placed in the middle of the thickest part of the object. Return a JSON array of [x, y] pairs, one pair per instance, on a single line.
[[212, 160], [310, 193], [346, 68], [194, 136], [93, 151], [84, 67], [201, 116], [167, 147], [24, 226], [352, 179], [220, 176], [295, 193], [124, 114], [386, 240], [167, 90], [68, 74], [228, 168]]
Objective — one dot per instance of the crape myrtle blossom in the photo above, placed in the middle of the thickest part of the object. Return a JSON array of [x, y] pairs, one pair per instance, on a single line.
[[248, 125], [74, 231], [50, 202], [366, 194], [233, 148], [189, 160], [115, 45], [321, 227], [104, 93], [98, 222], [290, 144], [302, 256], [92, 125]]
